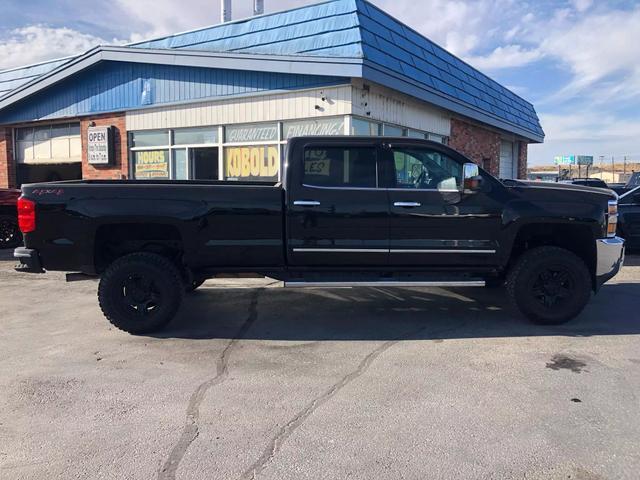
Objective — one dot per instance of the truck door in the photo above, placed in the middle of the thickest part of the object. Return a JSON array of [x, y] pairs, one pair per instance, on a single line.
[[432, 223], [336, 213]]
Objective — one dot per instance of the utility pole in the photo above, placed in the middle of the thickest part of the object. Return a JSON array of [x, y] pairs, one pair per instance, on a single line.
[[601, 166], [613, 170], [624, 167]]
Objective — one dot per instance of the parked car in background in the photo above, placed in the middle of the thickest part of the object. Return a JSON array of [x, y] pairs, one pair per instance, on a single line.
[[619, 188], [10, 235], [629, 221], [634, 182]]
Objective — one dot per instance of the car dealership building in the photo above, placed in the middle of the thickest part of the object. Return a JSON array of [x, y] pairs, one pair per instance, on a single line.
[[221, 102]]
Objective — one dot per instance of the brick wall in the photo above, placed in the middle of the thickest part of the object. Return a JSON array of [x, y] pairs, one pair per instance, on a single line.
[[7, 165], [483, 146], [120, 167], [479, 144], [522, 160]]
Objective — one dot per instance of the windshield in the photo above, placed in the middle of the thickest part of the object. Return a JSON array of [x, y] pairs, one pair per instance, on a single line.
[[634, 181]]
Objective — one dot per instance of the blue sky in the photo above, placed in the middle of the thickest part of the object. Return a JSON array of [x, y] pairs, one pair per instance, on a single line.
[[577, 61]]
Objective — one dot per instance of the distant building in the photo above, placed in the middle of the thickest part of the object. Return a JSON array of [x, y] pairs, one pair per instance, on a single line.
[[221, 102]]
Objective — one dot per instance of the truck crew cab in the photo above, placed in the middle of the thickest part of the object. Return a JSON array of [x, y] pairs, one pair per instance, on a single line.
[[350, 211]]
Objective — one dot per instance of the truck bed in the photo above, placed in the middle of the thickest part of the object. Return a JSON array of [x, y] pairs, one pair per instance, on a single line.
[[214, 222]]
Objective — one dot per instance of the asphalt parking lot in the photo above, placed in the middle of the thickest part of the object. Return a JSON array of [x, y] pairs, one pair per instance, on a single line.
[[252, 381]]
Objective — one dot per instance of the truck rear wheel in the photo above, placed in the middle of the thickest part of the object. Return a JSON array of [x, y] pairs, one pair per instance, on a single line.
[[549, 285], [140, 292]]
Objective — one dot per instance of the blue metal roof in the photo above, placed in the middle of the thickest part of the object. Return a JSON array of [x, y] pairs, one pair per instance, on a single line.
[[389, 52], [16, 77], [357, 28]]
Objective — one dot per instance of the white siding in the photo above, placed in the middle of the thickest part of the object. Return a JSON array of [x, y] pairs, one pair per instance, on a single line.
[[383, 104], [261, 108]]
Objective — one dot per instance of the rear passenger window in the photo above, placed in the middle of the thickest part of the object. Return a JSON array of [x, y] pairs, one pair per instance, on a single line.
[[341, 167]]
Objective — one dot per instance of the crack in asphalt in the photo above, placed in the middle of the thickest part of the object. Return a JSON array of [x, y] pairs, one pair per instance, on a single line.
[[190, 430], [298, 419]]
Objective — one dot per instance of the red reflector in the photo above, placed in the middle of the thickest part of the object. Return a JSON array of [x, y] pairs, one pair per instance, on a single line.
[[26, 215]]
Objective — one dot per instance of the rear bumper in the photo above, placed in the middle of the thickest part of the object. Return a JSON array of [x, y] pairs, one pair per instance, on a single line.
[[610, 253], [29, 260]]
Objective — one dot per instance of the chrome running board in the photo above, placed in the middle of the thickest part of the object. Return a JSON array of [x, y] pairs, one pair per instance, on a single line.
[[386, 283]]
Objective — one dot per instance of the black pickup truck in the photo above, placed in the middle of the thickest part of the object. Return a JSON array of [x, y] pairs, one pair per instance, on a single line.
[[350, 211]]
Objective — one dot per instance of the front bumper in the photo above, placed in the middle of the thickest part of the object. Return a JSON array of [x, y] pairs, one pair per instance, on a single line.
[[29, 260], [610, 252]]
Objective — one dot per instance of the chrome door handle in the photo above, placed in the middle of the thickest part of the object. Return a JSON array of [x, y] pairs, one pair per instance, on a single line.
[[407, 204], [306, 203]]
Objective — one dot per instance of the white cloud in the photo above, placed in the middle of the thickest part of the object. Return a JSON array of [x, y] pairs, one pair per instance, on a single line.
[[37, 43], [597, 49], [581, 5], [508, 56]]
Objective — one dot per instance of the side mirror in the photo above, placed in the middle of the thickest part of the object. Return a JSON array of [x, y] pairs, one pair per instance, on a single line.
[[471, 179]]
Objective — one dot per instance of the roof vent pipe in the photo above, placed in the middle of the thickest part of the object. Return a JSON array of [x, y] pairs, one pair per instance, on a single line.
[[225, 11], [258, 7]]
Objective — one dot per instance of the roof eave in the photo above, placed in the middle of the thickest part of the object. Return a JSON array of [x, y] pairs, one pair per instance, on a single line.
[[388, 78], [302, 65]]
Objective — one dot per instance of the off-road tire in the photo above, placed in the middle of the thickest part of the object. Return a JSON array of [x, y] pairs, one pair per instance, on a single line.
[[165, 291], [522, 285], [10, 236]]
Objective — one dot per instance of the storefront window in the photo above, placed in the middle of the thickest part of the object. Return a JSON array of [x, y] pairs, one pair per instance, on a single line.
[[364, 127], [252, 163], [57, 143], [195, 136], [259, 159], [180, 170], [248, 152], [151, 164], [392, 131], [150, 139], [416, 134]]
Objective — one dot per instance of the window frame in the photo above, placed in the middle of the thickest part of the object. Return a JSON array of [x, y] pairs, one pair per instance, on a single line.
[[346, 145], [391, 177]]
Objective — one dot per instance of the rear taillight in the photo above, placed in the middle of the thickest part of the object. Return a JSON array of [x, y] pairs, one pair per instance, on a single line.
[[26, 215]]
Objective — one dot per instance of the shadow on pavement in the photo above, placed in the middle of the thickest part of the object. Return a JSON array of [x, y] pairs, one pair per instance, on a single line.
[[388, 314]]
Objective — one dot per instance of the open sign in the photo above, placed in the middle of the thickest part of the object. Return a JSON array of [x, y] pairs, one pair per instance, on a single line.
[[100, 148]]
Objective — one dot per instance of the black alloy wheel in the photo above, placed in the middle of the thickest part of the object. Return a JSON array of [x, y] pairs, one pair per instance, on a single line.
[[549, 285], [553, 286], [141, 292]]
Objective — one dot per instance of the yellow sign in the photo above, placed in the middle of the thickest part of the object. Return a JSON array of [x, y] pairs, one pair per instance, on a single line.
[[252, 162], [152, 164]]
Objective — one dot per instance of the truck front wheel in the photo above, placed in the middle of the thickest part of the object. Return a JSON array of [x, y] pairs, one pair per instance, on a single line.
[[549, 285], [140, 292]]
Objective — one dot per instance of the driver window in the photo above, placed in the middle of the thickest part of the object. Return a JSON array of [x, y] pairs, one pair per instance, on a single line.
[[426, 169]]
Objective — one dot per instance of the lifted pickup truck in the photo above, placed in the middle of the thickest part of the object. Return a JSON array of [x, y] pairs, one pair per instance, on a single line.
[[351, 211]]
